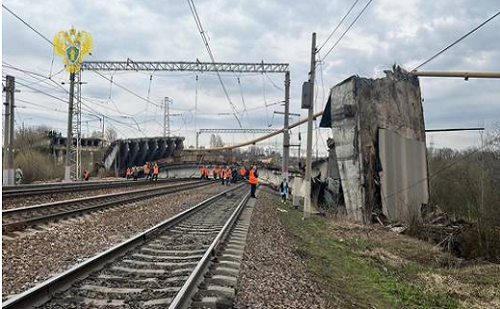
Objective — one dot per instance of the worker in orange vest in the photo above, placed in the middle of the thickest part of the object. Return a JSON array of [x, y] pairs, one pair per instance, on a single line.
[[128, 173], [86, 175], [156, 171], [243, 171], [253, 179], [145, 170], [215, 171], [221, 174], [227, 175]]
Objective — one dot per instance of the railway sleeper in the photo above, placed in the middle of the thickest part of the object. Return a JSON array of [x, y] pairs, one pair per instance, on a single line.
[[218, 289]]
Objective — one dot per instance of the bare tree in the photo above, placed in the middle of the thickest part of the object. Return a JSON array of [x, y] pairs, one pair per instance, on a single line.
[[96, 134], [216, 141], [111, 134]]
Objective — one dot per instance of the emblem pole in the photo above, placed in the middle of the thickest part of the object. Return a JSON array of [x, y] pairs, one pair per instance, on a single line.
[[69, 140]]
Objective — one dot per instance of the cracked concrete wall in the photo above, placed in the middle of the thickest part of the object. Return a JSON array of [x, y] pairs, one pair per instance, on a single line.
[[359, 108]]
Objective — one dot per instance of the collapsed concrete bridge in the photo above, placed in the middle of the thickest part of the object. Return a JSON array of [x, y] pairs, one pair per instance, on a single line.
[[124, 153], [378, 153]]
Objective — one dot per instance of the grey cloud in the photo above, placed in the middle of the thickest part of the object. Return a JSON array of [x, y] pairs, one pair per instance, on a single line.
[[390, 31]]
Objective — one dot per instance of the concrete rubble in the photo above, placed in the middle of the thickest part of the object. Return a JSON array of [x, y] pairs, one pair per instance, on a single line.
[[377, 158]]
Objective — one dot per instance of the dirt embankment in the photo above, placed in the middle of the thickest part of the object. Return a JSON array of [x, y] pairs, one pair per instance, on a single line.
[[350, 265]]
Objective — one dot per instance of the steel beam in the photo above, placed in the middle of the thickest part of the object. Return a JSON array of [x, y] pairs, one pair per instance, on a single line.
[[251, 131], [183, 66], [462, 74]]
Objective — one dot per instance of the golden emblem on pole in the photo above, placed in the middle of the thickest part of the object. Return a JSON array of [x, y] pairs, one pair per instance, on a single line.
[[73, 46]]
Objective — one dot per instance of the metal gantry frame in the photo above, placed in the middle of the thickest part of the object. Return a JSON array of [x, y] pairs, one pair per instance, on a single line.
[[76, 149], [198, 66], [176, 66]]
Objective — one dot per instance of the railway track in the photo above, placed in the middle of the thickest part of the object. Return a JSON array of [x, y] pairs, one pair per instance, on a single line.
[[189, 260], [9, 192], [19, 218]]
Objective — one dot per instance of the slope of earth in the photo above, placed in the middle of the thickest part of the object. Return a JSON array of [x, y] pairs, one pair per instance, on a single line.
[[356, 266]]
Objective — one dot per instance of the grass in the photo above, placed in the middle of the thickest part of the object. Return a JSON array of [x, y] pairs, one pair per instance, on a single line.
[[370, 267]]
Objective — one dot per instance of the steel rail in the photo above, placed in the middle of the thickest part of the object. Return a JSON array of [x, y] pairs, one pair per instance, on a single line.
[[184, 296], [43, 292], [55, 188], [102, 201]]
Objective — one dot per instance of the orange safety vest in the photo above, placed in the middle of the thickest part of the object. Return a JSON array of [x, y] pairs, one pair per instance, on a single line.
[[227, 174], [145, 169], [155, 169], [242, 171], [128, 172], [251, 178]]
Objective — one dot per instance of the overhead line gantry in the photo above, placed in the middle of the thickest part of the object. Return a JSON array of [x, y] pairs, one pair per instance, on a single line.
[[198, 66]]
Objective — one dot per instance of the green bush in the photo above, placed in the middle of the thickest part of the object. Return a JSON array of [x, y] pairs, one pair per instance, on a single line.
[[465, 185], [37, 166]]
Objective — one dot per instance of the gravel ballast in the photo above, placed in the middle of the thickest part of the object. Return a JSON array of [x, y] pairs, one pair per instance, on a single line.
[[272, 275], [34, 257], [10, 203]]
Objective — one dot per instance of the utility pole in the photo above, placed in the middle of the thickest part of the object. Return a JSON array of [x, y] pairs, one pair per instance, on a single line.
[[69, 139], [166, 117], [300, 145], [8, 172], [102, 133], [286, 133], [196, 111], [307, 198]]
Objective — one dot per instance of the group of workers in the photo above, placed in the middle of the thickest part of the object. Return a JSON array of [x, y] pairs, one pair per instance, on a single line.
[[228, 174], [149, 171]]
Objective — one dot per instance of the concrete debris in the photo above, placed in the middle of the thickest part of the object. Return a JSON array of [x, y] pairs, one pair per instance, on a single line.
[[377, 154]]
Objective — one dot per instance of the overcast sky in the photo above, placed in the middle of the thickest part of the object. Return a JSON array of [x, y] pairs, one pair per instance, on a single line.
[[405, 32]]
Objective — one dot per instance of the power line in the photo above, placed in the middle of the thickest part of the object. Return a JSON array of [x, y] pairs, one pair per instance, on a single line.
[[273, 83], [89, 110], [347, 30], [41, 106], [487, 144], [338, 25], [60, 87], [28, 25], [265, 101], [126, 89], [197, 20], [42, 92], [50, 42], [457, 41]]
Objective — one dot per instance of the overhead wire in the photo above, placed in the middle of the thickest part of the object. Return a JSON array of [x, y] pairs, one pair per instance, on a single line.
[[45, 80], [197, 20], [89, 109], [273, 83], [50, 42], [429, 177], [265, 100], [347, 30], [338, 25], [457, 41], [27, 25], [126, 89]]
